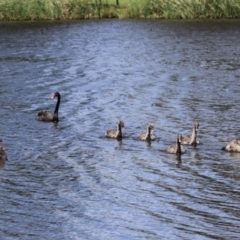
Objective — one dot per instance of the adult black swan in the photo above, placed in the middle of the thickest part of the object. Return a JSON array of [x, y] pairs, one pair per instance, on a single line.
[[48, 116], [3, 154]]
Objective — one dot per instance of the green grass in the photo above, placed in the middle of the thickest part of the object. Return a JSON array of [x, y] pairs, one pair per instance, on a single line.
[[80, 9]]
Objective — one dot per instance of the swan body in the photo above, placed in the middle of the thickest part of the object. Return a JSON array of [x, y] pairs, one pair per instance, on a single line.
[[177, 148], [232, 146], [191, 139], [3, 154], [48, 116], [148, 135], [116, 133]]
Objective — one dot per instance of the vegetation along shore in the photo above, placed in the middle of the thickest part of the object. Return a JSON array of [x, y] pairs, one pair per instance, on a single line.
[[22, 10]]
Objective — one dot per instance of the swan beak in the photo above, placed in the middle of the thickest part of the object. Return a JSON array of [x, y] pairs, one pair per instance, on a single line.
[[53, 96]]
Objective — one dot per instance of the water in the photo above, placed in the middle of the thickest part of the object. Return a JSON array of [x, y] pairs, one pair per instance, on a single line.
[[67, 181]]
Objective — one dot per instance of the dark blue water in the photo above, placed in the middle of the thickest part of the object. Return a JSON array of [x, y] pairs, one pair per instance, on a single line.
[[67, 181]]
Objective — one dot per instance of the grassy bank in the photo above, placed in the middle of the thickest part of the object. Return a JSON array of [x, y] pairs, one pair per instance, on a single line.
[[81, 9]]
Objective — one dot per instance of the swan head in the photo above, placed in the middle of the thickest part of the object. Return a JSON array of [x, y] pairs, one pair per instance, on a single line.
[[151, 126], [196, 125], [56, 94], [179, 138], [121, 123]]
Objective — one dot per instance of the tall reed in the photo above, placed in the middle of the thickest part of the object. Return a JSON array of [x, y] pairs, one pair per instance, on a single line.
[[79, 9], [190, 9]]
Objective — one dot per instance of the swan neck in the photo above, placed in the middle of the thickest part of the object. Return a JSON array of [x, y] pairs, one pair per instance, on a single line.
[[57, 105], [194, 136], [148, 135], [149, 130], [178, 147], [119, 130]]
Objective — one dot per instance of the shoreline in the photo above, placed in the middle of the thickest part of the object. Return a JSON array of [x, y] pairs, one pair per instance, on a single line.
[[55, 10]]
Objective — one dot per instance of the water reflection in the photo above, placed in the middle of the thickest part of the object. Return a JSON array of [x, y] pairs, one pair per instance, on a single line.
[[233, 154], [2, 164]]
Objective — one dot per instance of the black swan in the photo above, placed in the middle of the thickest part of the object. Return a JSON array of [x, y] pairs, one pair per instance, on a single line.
[[148, 135], [177, 148], [191, 139], [116, 133], [3, 154], [48, 116]]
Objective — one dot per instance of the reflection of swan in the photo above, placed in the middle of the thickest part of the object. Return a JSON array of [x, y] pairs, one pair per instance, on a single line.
[[234, 154], [116, 133], [3, 154], [176, 148], [233, 146], [148, 136], [48, 116], [191, 139], [2, 164]]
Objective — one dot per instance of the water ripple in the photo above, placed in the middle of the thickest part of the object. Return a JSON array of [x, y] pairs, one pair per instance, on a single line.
[[67, 181]]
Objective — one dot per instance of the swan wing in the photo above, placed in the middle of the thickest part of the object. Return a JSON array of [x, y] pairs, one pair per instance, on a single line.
[[186, 139], [172, 148], [153, 137], [45, 116], [112, 133], [143, 136]]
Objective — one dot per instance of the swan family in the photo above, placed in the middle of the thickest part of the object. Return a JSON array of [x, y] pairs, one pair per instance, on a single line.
[[177, 148], [149, 136]]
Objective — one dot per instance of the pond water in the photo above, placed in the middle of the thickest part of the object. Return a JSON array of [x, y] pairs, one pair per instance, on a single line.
[[67, 181]]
